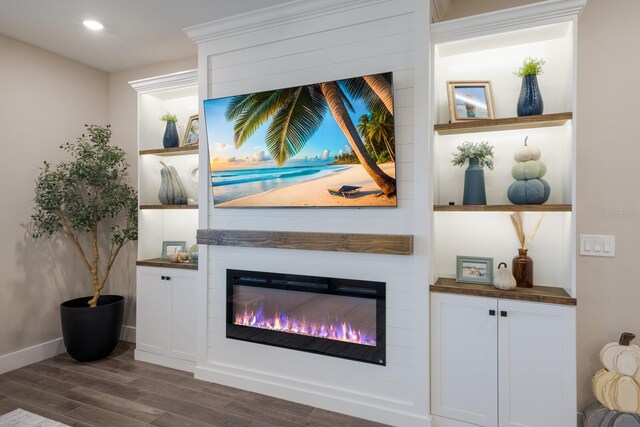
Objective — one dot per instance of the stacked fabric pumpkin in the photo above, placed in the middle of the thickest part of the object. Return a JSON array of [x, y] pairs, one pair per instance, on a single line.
[[529, 187], [617, 386]]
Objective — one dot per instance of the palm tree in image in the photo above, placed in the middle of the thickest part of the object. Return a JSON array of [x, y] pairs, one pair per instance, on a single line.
[[380, 129], [296, 115], [363, 130]]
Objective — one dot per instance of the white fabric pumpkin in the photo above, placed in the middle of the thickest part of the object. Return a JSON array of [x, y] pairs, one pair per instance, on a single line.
[[622, 357], [617, 392], [528, 152], [504, 279]]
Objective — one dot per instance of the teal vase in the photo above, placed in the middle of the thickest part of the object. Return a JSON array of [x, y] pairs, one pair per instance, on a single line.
[[474, 192]]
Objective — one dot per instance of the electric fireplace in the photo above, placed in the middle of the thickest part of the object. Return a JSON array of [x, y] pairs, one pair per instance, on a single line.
[[336, 317]]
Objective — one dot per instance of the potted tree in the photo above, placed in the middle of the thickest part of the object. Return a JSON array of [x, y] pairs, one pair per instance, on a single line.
[[89, 200]]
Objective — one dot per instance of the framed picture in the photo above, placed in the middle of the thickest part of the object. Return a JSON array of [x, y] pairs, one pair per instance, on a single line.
[[191, 133], [169, 247], [474, 270], [470, 100]]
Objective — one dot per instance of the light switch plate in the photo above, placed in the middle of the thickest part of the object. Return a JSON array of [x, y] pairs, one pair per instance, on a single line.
[[597, 245]]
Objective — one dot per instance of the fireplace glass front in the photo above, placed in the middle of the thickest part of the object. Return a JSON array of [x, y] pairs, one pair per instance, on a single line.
[[336, 317]]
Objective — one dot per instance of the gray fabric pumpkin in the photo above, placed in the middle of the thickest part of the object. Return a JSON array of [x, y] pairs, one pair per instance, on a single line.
[[172, 191], [597, 415]]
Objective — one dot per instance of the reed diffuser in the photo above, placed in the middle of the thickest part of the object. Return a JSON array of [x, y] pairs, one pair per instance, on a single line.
[[522, 266]]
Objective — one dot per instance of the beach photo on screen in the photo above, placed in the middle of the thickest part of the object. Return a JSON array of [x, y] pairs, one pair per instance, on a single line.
[[329, 144]]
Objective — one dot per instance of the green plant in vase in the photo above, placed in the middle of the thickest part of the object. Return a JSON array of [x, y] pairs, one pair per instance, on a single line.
[[170, 138], [530, 101], [530, 67], [478, 155]]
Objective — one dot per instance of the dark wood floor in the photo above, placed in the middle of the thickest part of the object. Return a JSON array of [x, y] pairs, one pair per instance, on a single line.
[[119, 391]]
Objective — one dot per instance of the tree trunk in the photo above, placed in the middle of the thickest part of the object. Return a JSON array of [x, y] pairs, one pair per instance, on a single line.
[[94, 270], [383, 89], [391, 153], [339, 112]]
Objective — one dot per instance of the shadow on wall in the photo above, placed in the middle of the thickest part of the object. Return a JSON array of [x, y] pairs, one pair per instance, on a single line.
[[52, 273]]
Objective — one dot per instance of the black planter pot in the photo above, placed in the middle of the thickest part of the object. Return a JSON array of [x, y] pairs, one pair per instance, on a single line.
[[91, 333]]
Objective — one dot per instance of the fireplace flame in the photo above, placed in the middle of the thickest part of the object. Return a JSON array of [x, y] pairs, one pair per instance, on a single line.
[[333, 330]]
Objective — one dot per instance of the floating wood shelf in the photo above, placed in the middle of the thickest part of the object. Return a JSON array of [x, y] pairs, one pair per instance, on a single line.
[[544, 294], [364, 243], [502, 208], [508, 123], [174, 151], [165, 263], [168, 206]]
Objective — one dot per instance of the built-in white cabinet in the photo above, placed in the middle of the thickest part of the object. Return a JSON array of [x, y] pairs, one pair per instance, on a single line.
[[166, 318], [499, 362], [166, 292]]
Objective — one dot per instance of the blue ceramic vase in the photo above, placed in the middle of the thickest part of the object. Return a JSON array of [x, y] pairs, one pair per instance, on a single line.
[[474, 192], [170, 138], [530, 101]]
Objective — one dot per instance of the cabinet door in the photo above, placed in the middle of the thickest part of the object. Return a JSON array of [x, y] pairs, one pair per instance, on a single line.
[[153, 306], [183, 316], [536, 357], [464, 358]]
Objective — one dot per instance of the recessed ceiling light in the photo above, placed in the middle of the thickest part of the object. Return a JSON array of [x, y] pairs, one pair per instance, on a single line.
[[93, 25]]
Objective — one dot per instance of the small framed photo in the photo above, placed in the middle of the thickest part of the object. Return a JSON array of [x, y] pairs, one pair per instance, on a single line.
[[191, 134], [470, 100], [474, 270], [169, 247]]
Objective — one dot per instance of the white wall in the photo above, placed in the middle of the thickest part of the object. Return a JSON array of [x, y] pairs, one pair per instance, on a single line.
[[46, 99], [363, 38], [608, 201]]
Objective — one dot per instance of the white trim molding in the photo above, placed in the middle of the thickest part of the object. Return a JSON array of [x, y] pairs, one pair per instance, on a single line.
[[168, 81], [313, 394], [269, 17], [531, 15], [34, 354]]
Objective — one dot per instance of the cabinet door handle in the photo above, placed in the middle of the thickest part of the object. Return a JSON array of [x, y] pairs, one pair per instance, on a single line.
[[169, 278], [492, 312], [163, 278], [503, 313]]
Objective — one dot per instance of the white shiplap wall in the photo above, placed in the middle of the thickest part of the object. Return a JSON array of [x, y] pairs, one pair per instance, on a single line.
[[294, 44]]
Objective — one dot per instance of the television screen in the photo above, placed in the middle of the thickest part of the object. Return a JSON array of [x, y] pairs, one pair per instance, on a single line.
[[327, 144]]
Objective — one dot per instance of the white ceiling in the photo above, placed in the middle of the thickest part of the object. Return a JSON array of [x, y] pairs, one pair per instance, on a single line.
[[136, 33]]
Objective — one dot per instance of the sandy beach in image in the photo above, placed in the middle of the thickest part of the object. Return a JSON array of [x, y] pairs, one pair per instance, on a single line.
[[314, 192]]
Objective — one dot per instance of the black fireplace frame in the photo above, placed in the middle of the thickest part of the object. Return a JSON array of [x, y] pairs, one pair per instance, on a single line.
[[320, 285]]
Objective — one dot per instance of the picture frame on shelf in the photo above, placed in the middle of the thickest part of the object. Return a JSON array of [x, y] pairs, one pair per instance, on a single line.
[[477, 270], [470, 100], [191, 133], [172, 246]]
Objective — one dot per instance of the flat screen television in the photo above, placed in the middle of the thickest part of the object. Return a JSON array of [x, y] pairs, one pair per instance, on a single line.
[[329, 144]]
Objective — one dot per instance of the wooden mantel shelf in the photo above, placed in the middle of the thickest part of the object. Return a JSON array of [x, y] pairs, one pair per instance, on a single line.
[[544, 294], [507, 123], [391, 244]]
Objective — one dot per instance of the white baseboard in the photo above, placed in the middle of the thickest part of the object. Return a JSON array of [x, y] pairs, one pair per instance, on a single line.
[[128, 333], [27, 356], [311, 394], [169, 362]]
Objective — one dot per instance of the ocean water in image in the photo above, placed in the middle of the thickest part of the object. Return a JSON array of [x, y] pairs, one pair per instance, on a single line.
[[234, 184]]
